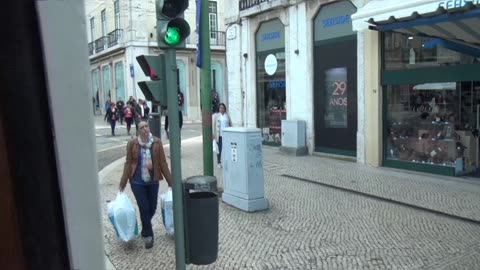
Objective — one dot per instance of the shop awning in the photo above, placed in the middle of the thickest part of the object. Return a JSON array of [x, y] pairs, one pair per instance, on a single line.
[[436, 86], [452, 20], [461, 47]]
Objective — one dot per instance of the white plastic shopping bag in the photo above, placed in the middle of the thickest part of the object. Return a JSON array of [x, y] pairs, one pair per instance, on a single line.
[[215, 147], [122, 215], [167, 211]]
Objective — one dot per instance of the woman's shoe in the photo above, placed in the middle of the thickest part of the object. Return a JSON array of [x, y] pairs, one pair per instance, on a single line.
[[149, 242]]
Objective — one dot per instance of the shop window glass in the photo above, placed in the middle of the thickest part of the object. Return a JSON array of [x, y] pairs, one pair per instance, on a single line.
[[336, 102], [405, 52], [271, 94], [433, 123]]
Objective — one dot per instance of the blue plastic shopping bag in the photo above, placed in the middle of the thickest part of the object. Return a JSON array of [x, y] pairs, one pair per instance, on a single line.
[[167, 211], [123, 218]]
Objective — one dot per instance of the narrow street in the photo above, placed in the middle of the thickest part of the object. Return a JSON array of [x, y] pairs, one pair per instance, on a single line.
[[111, 148]]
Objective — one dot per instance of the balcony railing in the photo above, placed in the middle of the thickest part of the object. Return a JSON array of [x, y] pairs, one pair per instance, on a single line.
[[246, 4], [100, 44], [114, 37], [91, 48], [217, 38]]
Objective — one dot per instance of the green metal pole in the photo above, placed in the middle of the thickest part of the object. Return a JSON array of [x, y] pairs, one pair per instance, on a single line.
[[174, 126], [206, 89]]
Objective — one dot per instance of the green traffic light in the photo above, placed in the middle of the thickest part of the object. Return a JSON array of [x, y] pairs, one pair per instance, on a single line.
[[172, 36]]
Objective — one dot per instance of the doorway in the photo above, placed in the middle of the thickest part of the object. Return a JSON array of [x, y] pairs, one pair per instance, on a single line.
[[335, 97]]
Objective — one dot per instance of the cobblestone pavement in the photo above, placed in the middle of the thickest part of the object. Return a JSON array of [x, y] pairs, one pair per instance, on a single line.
[[313, 226]]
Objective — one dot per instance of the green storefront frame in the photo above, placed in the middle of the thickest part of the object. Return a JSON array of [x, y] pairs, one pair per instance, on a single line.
[[419, 167], [336, 151]]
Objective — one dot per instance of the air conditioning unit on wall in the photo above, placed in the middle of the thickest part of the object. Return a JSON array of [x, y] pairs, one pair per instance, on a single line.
[[294, 137]]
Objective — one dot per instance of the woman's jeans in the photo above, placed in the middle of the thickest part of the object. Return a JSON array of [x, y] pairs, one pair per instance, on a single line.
[[146, 196], [219, 155]]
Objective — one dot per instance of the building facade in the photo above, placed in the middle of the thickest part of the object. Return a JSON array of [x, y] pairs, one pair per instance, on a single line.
[[297, 60], [119, 31], [384, 83]]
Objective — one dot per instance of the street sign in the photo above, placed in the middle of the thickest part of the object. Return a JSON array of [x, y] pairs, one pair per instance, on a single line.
[[198, 21]]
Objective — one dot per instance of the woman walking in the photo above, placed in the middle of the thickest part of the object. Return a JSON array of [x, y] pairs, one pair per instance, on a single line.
[[145, 166], [111, 116], [128, 117], [221, 120]]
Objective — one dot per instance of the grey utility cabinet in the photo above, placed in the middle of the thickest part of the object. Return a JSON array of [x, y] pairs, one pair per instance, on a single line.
[[243, 169]]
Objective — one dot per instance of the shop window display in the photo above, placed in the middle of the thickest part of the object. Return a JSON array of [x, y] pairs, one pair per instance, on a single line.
[[406, 52], [271, 96], [433, 123]]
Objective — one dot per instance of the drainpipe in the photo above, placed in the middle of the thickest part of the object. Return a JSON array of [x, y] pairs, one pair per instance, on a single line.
[[242, 87], [244, 77]]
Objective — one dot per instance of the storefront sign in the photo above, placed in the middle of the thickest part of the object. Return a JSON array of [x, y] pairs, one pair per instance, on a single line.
[[271, 64], [336, 98], [334, 21], [457, 3], [232, 32], [276, 85], [329, 22], [270, 36]]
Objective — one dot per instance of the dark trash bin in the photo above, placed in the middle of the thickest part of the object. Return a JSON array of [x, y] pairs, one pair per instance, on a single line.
[[202, 219]]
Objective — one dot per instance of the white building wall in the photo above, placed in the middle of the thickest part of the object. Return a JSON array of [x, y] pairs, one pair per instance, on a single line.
[[235, 73], [298, 20], [248, 45], [138, 22], [300, 69], [241, 70]]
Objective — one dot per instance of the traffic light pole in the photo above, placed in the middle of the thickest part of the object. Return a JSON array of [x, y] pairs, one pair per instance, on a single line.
[[205, 86], [174, 126]]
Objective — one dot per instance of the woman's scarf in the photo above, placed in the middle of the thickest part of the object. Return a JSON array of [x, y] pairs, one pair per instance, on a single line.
[[146, 157]]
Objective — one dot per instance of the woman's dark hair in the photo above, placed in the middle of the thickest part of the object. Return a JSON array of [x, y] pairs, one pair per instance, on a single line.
[[222, 104]]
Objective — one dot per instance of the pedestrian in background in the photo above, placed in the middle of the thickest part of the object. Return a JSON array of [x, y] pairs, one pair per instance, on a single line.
[[146, 109], [215, 101], [221, 120], [111, 116], [129, 117], [180, 113], [131, 101], [107, 104], [93, 103], [145, 166], [120, 108], [140, 113]]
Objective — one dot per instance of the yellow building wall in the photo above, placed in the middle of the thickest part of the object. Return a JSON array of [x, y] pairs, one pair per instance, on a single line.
[[373, 100]]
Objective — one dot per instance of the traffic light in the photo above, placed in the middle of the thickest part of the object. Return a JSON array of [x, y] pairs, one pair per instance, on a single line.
[[153, 66], [172, 30]]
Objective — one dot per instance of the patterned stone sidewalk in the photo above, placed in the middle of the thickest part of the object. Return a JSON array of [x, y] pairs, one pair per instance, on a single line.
[[313, 226]]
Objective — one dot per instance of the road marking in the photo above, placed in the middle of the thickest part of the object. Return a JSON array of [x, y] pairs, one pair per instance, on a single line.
[[111, 148], [189, 140], [109, 127]]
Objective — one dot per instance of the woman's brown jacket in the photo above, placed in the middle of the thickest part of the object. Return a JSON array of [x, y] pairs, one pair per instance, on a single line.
[[160, 166]]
